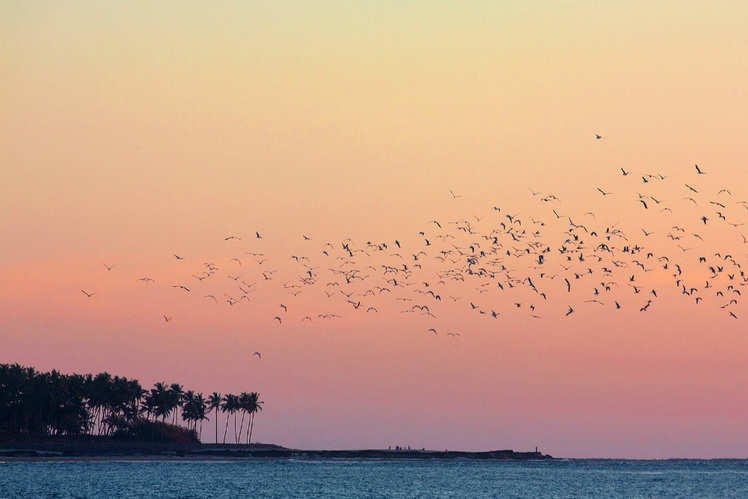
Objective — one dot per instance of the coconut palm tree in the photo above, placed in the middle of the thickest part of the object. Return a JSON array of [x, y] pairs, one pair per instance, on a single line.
[[214, 403], [160, 400], [201, 411], [189, 410], [175, 400], [244, 404], [230, 405], [254, 406]]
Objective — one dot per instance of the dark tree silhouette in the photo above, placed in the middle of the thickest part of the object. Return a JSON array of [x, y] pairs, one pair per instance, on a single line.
[[52, 404]]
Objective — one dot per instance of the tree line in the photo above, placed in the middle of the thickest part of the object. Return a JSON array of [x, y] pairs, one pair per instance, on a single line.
[[35, 403]]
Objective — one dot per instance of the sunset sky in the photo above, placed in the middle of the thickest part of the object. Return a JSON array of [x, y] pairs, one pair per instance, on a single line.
[[133, 131]]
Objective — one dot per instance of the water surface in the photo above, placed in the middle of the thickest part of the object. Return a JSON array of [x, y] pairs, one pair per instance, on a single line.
[[375, 478]]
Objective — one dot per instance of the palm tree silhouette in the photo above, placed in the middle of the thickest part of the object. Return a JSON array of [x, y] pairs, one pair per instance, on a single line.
[[214, 403], [230, 405], [254, 406], [244, 404], [175, 400], [44, 404], [201, 415]]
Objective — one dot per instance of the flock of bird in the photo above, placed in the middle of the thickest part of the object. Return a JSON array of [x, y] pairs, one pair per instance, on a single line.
[[497, 264]]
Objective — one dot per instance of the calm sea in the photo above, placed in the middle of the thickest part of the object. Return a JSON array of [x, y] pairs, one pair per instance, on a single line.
[[395, 478]]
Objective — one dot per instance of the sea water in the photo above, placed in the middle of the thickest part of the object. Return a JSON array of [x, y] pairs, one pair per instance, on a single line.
[[375, 478]]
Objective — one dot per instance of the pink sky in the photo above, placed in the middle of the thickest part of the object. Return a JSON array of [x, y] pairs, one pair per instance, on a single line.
[[133, 133]]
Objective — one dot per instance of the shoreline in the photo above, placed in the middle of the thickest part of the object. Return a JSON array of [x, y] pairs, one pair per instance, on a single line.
[[153, 451]]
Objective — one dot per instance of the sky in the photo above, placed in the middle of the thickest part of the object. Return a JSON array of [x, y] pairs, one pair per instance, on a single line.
[[136, 131]]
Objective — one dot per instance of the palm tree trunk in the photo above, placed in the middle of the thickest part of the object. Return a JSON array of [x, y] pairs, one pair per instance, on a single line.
[[225, 431], [251, 427], [216, 411], [235, 427], [241, 427]]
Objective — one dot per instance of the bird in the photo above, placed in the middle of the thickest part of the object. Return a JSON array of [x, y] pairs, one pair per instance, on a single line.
[[108, 267], [598, 137], [257, 235], [229, 238], [89, 295], [181, 286], [278, 319], [698, 170], [624, 172], [259, 355], [603, 192], [571, 310], [166, 318], [431, 330], [285, 308], [178, 257]]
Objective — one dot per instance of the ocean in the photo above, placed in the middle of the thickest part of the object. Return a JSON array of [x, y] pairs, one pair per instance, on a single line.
[[597, 478]]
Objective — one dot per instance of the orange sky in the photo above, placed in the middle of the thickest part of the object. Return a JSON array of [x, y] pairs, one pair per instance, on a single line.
[[134, 132]]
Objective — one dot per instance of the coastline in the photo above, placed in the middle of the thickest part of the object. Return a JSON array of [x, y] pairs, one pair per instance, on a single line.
[[150, 451]]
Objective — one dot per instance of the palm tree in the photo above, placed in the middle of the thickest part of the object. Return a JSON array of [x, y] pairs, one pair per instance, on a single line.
[[214, 403], [175, 400], [200, 412], [244, 403], [254, 406], [160, 400], [189, 411], [230, 405]]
